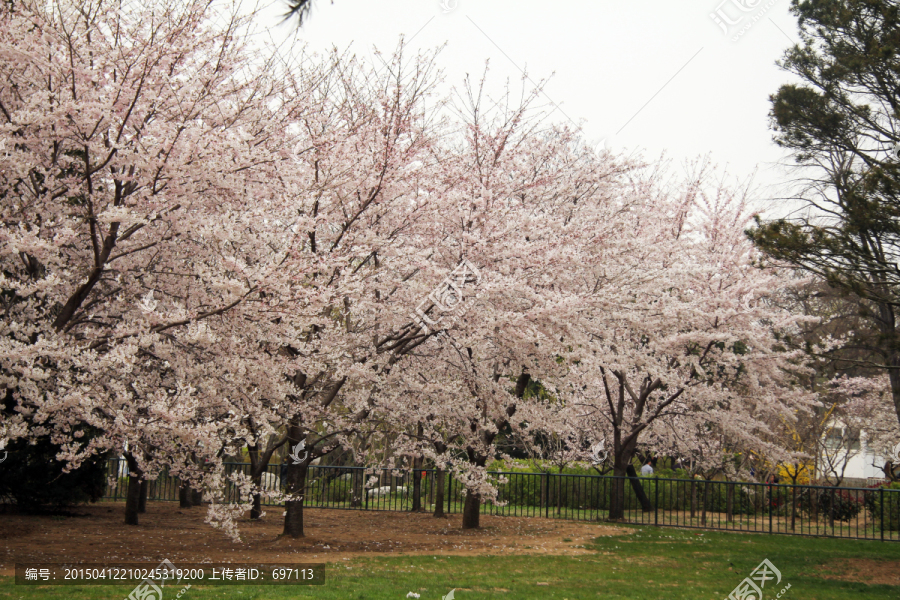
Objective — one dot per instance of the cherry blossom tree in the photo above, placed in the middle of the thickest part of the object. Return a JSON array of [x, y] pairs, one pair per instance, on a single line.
[[143, 224], [677, 330]]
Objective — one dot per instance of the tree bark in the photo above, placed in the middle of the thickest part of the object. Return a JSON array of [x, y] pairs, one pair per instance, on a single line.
[[417, 485], [439, 493], [196, 497], [646, 506], [295, 485], [133, 499], [471, 511], [184, 495], [617, 494], [142, 501], [357, 478], [256, 509]]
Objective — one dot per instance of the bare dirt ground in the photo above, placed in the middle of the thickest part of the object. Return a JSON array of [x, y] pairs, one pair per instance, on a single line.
[[167, 531], [99, 535], [862, 570]]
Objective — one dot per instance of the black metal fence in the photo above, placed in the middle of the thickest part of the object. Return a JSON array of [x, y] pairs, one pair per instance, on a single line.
[[859, 513]]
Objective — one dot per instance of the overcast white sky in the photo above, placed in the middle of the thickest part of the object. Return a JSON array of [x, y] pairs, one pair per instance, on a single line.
[[657, 75]]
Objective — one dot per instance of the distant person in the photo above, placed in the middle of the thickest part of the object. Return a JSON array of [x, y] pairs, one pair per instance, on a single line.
[[647, 469]]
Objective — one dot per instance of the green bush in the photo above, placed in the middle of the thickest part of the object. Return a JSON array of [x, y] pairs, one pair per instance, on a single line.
[[843, 505], [886, 507]]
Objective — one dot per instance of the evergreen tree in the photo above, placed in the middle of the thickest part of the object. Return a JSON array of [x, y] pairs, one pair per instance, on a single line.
[[840, 124]]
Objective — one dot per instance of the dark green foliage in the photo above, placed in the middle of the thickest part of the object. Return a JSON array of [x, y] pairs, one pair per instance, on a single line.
[[885, 507], [840, 505], [34, 480], [840, 124]]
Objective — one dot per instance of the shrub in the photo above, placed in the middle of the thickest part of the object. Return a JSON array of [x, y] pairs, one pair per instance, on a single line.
[[841, 504], [885, 506]]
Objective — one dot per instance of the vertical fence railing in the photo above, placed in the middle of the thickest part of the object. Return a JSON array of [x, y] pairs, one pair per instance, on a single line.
[[860, 513]]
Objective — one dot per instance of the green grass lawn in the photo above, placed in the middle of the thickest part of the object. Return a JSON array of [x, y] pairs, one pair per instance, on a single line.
[[650, 564]]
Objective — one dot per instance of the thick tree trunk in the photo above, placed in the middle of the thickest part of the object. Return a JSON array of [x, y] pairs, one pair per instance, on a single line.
[[184, 495], [417, 485], [894, 373], [357, 479], [295, 485], [439, 493], [196, 497], [256, 509], [471, 511], [617, 494], [429, 489], [142, 501], [133, 499]]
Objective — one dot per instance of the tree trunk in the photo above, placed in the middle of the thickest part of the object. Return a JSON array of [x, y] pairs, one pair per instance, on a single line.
[[646, 506], [417, 485], [142, 501], [295, 485], [196, 497], [133, 499], [429, 489], [439, 493], [357, 478], [256, 509], [471, 511], [617, 493], [184, 495], [893, 373]]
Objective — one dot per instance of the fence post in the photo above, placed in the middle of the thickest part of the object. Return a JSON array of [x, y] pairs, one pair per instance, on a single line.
[[771, 502], [656, 501], [549, 485], [881, 491]]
